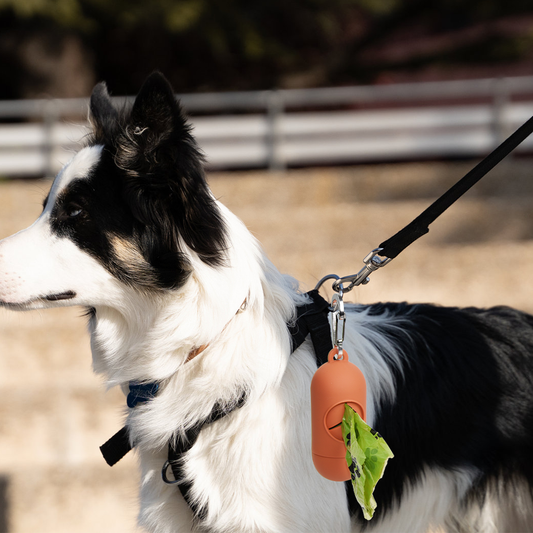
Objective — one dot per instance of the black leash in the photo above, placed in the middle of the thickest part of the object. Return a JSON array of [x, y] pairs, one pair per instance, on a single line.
[[392, 247], [420, 225]]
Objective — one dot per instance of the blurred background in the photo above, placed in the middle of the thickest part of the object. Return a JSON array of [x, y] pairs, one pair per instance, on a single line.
[[327, 125]]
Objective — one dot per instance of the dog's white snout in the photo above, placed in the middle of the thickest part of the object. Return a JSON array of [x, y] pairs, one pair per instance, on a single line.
[[40, 269], [21, 265]]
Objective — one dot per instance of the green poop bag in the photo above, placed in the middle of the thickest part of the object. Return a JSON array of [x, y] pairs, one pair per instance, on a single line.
[[367, 455]]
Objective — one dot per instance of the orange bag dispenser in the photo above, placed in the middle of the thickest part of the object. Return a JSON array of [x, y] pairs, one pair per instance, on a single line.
[[335, 383]]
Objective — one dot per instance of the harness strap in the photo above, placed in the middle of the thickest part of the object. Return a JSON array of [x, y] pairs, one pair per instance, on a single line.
[[178, 447], [311, 319], [116, 447]]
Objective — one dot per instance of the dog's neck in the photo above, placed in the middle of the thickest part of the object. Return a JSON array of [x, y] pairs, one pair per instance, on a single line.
[[155, 340]]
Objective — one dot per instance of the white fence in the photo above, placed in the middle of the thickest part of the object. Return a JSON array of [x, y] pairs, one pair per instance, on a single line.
[[276, 129]]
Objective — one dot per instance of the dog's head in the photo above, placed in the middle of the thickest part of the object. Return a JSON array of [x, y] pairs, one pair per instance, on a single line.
[[131, 209]]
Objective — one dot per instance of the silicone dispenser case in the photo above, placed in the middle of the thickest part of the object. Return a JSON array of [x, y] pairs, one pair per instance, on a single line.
[[335, 383]]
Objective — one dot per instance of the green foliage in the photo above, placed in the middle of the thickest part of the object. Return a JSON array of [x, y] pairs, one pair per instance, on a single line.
[[184, 15], [64, 12], [247, 44]]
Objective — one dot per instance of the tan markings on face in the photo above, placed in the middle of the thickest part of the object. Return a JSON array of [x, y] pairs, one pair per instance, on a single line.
[[132, 262]]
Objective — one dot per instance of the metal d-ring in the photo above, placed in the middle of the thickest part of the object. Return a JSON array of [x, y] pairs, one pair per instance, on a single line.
[[165, 477], [324, 279]]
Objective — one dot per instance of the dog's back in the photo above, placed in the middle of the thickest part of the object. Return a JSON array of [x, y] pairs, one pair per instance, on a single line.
[[456, 410]]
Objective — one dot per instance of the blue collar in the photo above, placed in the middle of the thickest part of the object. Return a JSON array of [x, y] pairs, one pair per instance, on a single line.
[[141, 392]]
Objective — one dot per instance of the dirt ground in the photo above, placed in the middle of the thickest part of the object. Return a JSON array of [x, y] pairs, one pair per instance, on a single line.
[[55, 413]]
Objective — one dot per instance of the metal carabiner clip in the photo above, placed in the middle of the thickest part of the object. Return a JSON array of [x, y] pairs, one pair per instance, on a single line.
[[338, 323], [372, 262]]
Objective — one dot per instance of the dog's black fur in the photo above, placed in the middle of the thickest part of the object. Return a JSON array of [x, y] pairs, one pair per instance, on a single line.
[[149, 187], [464, 396]]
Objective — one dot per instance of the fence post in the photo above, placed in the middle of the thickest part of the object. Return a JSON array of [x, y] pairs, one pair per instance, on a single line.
[[500, 99], [275, 109], [50, 119]]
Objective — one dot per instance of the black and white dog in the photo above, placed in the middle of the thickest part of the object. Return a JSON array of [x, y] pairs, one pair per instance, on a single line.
[[180, 294]]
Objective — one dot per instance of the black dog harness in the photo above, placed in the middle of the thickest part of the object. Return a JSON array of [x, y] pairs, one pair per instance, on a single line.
[[311, 319]]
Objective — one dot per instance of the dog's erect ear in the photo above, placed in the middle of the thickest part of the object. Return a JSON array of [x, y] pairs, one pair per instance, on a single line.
[[103, 115], [156, 110], [165, 186], [157, 135]]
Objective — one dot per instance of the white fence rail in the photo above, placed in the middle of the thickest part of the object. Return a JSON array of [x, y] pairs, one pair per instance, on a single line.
[[300, 127]]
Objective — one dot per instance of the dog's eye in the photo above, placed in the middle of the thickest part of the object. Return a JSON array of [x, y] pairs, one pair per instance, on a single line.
[[73, 211]]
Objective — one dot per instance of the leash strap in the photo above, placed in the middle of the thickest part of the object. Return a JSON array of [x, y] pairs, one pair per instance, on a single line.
[[420, 225], [396, 244], [312, 317]]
